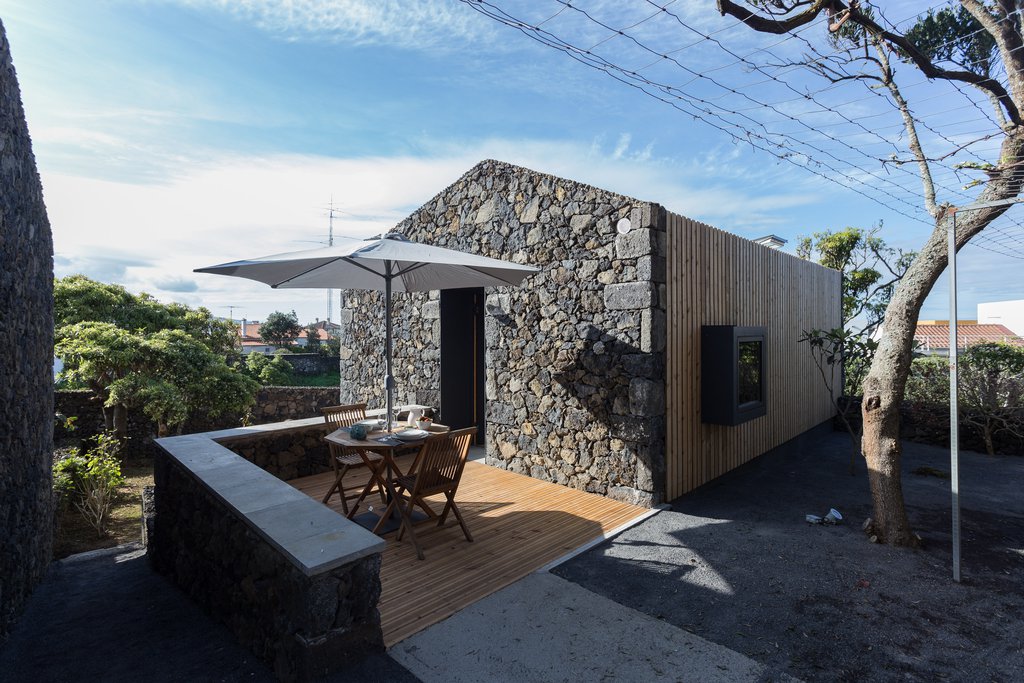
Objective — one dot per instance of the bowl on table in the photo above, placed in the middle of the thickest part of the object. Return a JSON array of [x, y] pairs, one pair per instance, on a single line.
[[410, 435], [372, 424]]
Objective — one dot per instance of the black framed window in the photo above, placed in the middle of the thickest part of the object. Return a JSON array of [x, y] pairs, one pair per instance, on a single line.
[[732, 374]]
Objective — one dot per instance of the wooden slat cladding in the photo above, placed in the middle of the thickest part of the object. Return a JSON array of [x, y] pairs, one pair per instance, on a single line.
[[518, 524], [715, 278]]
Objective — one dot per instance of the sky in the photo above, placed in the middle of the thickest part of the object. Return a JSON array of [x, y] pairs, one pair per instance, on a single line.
[[171, 135]]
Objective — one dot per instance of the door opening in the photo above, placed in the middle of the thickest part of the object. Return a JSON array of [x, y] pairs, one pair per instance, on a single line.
[[462, 359]]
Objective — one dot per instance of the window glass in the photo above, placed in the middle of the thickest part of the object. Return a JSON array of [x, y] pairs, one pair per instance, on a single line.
[[749, 372]]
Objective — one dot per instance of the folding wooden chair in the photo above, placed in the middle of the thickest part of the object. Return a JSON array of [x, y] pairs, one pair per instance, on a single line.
[[438, 469], [343, 459]]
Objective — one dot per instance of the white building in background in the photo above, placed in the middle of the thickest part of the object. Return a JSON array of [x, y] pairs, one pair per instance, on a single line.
[[1009, 314]]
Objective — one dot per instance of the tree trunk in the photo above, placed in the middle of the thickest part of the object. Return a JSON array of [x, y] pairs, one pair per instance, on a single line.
[[887, 379], [884, 387], [990, 446], [120, 422]]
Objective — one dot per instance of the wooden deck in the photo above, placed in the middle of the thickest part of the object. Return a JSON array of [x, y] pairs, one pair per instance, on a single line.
[[518, 524]]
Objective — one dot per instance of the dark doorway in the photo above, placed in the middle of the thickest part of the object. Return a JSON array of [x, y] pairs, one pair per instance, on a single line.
[[462, 359]]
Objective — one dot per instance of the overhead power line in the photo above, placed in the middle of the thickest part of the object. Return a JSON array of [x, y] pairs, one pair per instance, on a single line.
[[766, 98]]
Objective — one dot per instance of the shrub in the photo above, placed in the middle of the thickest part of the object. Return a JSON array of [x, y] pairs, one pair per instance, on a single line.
[[267, 371], [990, 378], [89, 481]]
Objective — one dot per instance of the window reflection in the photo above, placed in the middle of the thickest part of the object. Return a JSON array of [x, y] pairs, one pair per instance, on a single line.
[[749, 372]]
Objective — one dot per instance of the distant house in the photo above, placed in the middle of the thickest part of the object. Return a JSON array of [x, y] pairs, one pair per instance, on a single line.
[[650, 354], [1007, 313], [932, 336], [251, 342]]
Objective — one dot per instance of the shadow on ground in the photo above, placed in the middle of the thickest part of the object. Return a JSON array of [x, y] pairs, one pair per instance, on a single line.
[[111, 618], [735, 562]]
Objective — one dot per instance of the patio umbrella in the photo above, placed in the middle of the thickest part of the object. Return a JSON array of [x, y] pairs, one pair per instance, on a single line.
[[390, 263]]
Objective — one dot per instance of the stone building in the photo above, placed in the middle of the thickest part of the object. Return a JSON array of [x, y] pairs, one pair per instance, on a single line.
[[589, 374], [26, 358]]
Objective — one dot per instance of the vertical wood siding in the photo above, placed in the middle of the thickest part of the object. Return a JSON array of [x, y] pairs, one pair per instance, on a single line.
[[715, 278]]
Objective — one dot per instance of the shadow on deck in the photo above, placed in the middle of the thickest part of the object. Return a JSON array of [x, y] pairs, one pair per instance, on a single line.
[[519, 525]]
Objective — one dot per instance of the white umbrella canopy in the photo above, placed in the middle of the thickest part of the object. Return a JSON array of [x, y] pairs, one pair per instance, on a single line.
[[390, 264]]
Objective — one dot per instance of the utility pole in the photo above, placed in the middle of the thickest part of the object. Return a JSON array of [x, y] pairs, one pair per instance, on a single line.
[[231, 312], [330, 243]]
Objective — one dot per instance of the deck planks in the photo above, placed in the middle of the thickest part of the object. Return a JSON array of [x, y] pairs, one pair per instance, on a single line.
[[519, 524]]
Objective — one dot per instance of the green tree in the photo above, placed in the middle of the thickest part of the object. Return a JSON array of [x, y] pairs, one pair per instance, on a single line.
[[80, 299], [181, 377], [977, 46], [168, 360], [280, 329], [870, 268], [312, 337]]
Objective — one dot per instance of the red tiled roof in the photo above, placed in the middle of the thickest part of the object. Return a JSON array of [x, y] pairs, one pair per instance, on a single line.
[[937, 336], [252, 334]]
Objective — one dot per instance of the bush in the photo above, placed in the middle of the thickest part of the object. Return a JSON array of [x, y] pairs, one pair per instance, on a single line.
[[990, 378], [267, 371], [89, 481]]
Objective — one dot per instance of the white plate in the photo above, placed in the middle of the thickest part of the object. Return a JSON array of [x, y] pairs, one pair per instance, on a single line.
[[410, 435]]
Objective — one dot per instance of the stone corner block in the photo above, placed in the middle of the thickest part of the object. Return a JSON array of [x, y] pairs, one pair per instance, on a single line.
[[646, 397], [635, 243], [626, 494], [626, 296]]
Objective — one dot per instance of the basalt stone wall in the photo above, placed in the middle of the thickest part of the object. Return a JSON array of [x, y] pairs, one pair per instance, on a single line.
[[273, 404], [26, 358], [303, 626], [574, 357], [276, 404], [287, 453]]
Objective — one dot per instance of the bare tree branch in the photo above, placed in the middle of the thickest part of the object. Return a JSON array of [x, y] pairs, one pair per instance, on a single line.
[[762, 24]]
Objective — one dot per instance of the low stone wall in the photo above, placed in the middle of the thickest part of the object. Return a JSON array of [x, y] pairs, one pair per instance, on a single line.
[[287, 453], [276, 404], [929, 423], [297, 583], [273, 404]]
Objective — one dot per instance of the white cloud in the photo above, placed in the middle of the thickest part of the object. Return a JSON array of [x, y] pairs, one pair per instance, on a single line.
[[623, 146], [433, 24], [149, 237]]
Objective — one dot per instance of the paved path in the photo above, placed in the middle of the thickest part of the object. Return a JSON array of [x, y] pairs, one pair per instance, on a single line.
[[546, 629]]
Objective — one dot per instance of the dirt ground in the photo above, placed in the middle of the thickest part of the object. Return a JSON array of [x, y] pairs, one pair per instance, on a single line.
[[75, 535], [736, 563]]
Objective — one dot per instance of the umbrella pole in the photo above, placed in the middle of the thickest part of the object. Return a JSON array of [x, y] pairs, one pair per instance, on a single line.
[[389, 380]]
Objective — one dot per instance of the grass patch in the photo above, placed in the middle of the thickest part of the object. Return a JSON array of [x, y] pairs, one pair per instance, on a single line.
[[75, 535], [330, 380]]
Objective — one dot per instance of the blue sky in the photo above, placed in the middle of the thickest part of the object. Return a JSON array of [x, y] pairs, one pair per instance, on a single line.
[[174, 135]]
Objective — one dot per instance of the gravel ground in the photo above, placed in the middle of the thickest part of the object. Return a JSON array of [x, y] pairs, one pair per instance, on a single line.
[[736, 563], [106, 616]]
